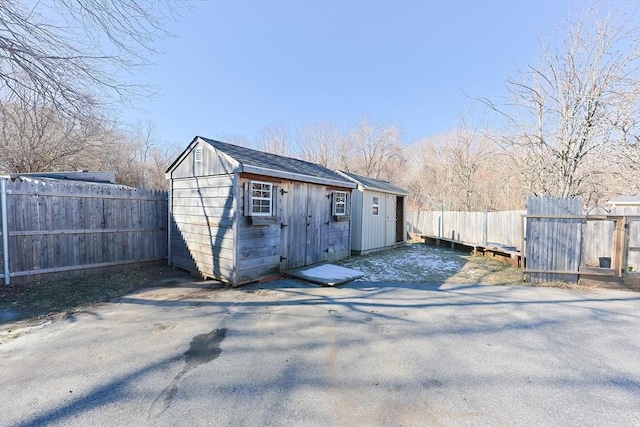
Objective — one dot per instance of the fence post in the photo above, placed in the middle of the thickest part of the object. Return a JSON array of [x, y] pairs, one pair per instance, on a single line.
[[169, 220], [5, 232], [485, 229]]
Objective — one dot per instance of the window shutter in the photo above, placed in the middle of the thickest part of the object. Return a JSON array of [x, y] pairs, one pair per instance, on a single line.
[[333, 203], [247, 199], [274, 200]]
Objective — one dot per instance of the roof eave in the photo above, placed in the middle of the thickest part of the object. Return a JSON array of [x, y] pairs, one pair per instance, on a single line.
[[369, 187], [295, 176], [181, 157]]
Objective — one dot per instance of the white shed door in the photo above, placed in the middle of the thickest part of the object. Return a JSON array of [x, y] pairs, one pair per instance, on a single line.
[[390, 212]]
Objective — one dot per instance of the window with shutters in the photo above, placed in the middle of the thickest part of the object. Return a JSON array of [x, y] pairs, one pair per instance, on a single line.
[[339, 203], [261, 198]]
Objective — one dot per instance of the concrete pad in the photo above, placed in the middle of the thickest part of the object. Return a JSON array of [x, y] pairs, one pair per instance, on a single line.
[[326, 274]]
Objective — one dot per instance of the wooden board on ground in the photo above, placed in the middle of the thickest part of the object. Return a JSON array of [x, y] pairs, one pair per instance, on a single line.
[[326, 274]]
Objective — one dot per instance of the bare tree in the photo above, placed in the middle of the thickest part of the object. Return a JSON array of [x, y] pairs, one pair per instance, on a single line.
[[375, 152], [36, 137], [73, 53], [562, 112], [275, 139], [460, 170], [322, 143], [236, 139]]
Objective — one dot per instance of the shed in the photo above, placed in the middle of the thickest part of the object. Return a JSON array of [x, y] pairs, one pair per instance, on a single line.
[[239, 215], [378, 214]]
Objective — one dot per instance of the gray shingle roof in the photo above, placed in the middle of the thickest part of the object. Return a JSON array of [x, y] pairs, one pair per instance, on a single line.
[[250, 157], [376, 184]]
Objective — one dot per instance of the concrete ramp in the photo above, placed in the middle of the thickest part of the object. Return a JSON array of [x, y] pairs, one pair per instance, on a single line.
[[326, 274]]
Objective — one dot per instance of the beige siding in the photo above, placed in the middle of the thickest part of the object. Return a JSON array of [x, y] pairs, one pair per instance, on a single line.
[[356, 220], [202, 237], [372, 232]]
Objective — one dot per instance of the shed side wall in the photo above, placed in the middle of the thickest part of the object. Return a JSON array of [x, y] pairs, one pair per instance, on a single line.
[[374, 227], [202, 226]]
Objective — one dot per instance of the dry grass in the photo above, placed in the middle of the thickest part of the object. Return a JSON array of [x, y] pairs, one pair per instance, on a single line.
[[59, 298]]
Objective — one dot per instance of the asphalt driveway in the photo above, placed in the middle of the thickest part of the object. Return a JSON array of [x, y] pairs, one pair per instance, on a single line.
[[367, 353]]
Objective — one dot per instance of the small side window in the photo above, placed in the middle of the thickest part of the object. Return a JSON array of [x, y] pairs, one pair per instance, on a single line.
[[339, 203], [376, 206], [261, 198]]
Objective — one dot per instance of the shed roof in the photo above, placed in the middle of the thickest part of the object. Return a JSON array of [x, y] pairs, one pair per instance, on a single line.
[[84, 176], [625, 200], [375, 184], [262, 163]]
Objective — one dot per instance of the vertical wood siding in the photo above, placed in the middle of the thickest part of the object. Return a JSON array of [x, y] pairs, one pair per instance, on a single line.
[[66, 228]]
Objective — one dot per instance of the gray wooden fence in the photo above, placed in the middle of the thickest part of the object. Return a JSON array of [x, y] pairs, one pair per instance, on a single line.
[[598, 237], [557, 244], [487, 228], [57, 228], [554, 239]]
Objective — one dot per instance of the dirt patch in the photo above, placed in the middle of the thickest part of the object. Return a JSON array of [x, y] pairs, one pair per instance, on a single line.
[[419, 263]]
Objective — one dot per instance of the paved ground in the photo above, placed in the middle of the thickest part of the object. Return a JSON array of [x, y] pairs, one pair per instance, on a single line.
[[289, 353]]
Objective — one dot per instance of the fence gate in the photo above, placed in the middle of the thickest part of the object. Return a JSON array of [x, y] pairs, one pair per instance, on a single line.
[[553, 239]]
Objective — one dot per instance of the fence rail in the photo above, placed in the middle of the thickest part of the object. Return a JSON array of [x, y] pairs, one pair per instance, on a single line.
[[63, 228]]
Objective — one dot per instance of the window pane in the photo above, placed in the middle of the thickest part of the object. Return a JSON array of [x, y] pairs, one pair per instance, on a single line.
[[261, 203]]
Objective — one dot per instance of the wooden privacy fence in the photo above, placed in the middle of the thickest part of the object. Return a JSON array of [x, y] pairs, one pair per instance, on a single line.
[[563, 243], [54, 228], [553, 239], [558, 240], [486, 228]]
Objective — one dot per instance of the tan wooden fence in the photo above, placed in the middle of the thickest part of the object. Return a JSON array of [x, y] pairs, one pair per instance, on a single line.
[[485, 228], [56, 228]]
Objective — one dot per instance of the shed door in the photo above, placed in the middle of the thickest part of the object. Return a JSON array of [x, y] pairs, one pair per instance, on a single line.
[[391, 215], [306, 211]]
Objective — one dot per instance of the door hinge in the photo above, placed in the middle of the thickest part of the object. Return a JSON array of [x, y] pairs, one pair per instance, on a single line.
[[283, 191], [282, 258], [283, 225]]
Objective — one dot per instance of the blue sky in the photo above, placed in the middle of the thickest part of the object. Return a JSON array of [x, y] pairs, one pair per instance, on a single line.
[[237, 66]]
